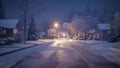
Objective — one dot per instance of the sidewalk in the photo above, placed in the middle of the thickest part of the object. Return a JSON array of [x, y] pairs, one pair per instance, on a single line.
[[17, 46], [105, 44], [110, 51], [11, 55]]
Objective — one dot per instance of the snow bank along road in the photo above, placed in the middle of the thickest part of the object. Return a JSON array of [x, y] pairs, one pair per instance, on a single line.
[[13, 57], [64, 54]]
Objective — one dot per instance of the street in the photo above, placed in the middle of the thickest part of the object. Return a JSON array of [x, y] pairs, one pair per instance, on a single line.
[[64, 54], [59, 33]]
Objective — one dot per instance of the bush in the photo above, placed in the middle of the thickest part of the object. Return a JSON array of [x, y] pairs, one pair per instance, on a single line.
[[18, 37], [115, 38]]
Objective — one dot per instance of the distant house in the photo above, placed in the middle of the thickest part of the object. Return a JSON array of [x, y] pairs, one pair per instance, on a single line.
[[92, 34], [8, 27], [104, 31]]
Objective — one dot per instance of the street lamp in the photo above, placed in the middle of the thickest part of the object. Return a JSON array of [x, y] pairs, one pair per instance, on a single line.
[[56, 24], [64, 34], [56, 27]]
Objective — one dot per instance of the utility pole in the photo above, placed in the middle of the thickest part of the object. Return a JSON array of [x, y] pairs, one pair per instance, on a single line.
[[25, 19], [1, 10]]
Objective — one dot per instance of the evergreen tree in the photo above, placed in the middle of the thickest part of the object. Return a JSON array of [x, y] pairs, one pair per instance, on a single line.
[[32, 29]]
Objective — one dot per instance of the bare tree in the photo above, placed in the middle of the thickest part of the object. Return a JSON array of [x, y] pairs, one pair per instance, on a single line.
[[28, 8], [115, 25]]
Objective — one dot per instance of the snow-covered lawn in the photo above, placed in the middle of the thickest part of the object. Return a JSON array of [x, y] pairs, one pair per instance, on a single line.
[[110, 51], [6, 61]]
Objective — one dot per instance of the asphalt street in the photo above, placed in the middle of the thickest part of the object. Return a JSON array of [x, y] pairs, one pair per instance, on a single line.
[[64, 54]]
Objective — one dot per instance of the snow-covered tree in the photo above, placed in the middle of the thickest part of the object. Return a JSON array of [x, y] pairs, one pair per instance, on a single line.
[[28, 8], [32, 29], [71, 30], [81, 24], [52, 32]]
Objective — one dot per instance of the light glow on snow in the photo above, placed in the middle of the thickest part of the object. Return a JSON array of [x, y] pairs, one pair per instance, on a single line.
[[64, 34]]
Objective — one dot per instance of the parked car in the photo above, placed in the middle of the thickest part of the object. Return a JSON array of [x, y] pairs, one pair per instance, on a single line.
[[115, 38], [3, 41], [7, 41]]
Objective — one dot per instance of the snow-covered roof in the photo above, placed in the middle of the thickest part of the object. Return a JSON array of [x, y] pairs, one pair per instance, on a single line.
[[8, 23], [103, 26]]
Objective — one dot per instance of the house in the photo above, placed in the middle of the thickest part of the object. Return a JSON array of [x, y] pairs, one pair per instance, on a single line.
[[8, 27], [92, 34], [104, 31]]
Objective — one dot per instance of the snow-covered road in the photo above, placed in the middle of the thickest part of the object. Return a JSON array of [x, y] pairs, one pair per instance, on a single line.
[[64, 54]]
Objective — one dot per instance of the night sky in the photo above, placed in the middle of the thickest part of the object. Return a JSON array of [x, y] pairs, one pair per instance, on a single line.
[[60, 9]]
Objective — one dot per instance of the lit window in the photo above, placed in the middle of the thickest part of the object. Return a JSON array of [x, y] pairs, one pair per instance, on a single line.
[[4, 31], [15, 30]]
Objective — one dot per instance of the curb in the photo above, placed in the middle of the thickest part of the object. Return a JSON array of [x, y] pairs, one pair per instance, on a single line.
[[2, 54], [115, 49]]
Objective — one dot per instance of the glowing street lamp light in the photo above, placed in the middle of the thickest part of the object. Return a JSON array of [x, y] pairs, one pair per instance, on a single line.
[[56, 25], [64, 34]]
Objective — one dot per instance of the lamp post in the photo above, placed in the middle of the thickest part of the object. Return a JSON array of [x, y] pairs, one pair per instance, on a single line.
[[56, 27], [56, 24], [25, 19]]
